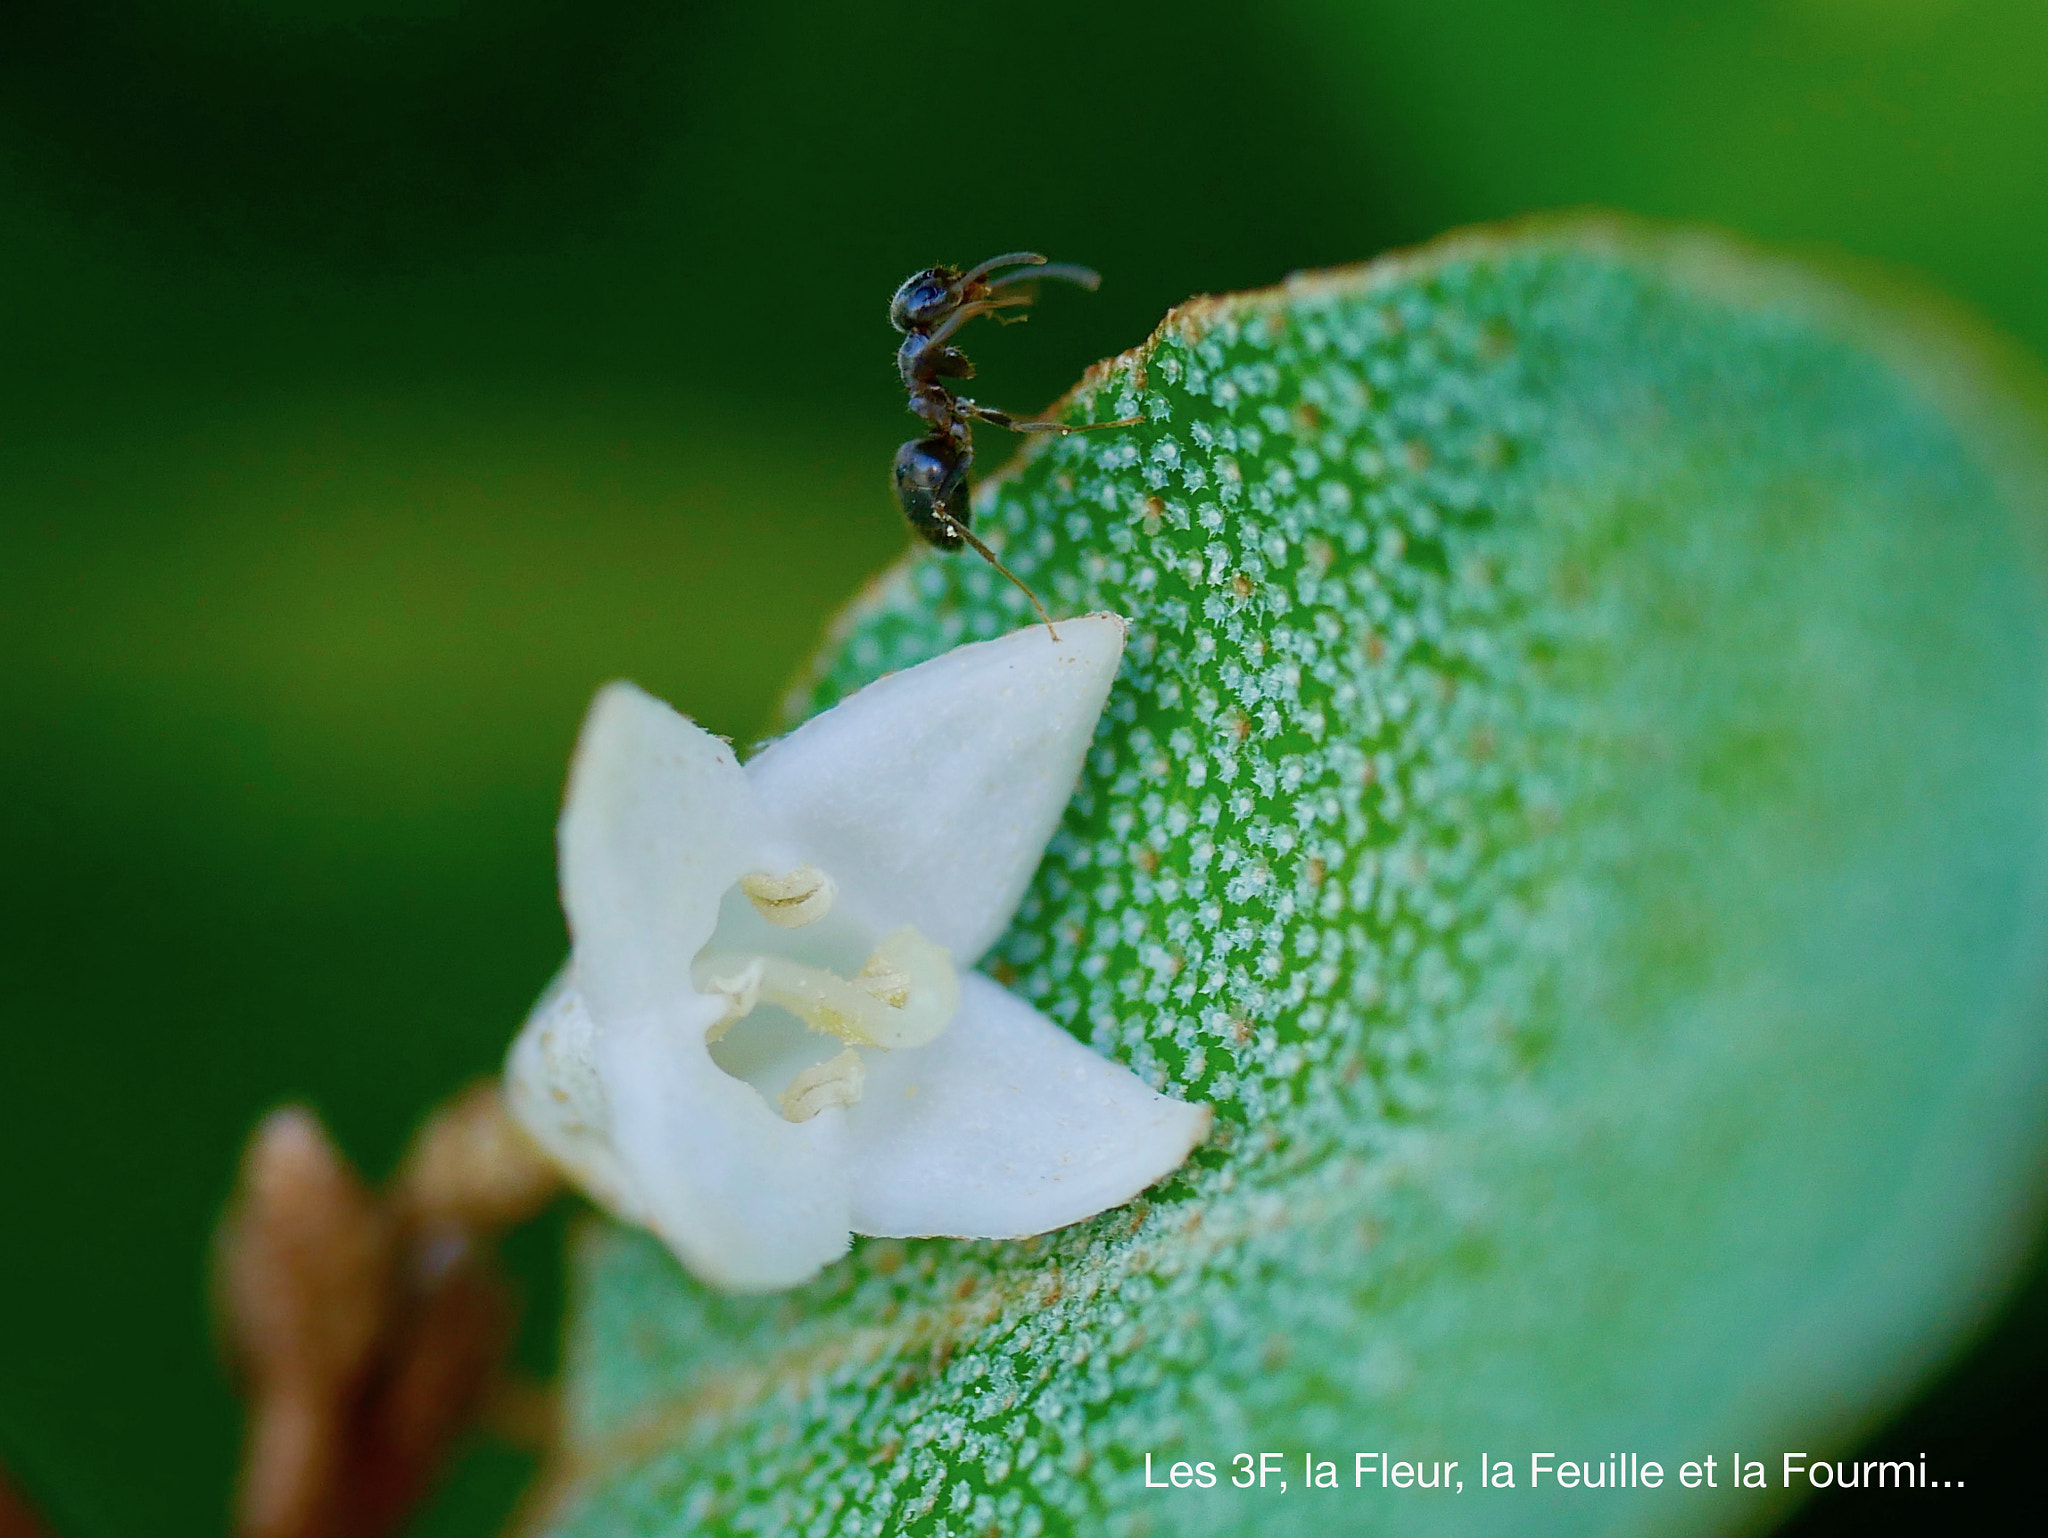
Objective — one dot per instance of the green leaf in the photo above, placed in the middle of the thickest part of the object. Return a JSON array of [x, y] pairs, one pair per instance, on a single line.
[[1572, 804]]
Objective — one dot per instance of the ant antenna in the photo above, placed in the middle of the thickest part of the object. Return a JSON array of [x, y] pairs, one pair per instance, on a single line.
[[1007, 259], [989, 556], [1066, 272]]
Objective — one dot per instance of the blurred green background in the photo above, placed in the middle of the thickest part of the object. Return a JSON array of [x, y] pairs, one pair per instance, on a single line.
[[376, 378]]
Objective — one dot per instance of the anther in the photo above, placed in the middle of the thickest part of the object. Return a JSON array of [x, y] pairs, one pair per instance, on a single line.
[[742, 990], [793, 899], [836, 1081]]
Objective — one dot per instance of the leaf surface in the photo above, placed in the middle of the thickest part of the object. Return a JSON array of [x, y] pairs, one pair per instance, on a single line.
[[1572, 805]]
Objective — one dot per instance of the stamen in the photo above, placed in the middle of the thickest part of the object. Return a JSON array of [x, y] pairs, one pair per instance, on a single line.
[[905, 994], [825, 1002], [836, 1081], [793, 899], [742, 990]]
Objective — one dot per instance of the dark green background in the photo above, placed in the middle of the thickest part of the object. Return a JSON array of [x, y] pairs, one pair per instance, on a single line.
[[377, 378]]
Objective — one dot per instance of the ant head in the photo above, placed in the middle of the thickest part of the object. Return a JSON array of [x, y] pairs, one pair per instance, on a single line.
[[925, 299]]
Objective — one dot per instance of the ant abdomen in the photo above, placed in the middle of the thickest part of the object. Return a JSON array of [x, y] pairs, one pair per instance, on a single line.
[[931, 484]]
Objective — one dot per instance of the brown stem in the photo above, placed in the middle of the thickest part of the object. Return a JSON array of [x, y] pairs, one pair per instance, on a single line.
[[18, 1519], [370, 1327]]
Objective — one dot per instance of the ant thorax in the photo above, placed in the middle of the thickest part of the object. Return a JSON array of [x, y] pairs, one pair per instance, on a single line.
[[921, 363]]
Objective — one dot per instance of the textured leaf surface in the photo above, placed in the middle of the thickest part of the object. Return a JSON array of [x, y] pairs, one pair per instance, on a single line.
[[1572, 804]]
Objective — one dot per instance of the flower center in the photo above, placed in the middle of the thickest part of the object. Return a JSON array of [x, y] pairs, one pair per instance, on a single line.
[[904, 994]]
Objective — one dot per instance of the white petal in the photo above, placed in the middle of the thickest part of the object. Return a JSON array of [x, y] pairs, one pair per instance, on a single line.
[[748, 1201], [1005, 1127], [931, 794], [656, 1133], [658, 822], [553, 1087]]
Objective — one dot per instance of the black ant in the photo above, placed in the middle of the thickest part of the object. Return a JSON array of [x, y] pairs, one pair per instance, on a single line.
[[931, 472]]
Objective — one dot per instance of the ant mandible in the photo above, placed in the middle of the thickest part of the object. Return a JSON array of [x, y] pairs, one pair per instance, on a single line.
[[931, 472]]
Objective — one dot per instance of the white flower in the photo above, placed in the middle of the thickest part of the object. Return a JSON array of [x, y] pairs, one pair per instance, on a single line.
[[767, 1037]]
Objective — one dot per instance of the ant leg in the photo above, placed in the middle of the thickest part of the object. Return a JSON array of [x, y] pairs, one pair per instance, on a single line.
[[1063, 428], [989, 556], [995, 418], [967, 312]]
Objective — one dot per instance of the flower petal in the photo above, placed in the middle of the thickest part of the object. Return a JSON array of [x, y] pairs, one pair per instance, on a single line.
[[747, 1200], [657, 1133], [930, 795], [658, 822], [553, 1086], [1005, 1127]]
